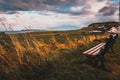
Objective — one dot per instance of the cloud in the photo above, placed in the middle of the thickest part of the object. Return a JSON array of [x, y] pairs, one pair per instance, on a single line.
[[106, 11], [42, 20], [49, 14], [36, 20], [76, 9], [109, 10], [22, 5], [73, 7], [6, 5]]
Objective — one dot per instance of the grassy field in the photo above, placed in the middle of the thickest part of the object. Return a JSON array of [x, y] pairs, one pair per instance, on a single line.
[[71, 65], [57, 56]]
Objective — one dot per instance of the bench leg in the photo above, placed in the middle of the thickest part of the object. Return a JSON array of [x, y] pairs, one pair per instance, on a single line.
[[102, 62], [99, 59], [103, 66], [92, 61], [95, 62]]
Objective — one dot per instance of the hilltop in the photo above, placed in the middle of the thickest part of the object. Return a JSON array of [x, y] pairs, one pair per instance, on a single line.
[[112, 23]]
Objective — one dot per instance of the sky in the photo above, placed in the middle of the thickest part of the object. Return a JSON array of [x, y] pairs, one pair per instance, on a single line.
[[56, 14]]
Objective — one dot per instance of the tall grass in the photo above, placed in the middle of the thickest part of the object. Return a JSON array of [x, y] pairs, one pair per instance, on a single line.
[[26, 50], [27, 45]]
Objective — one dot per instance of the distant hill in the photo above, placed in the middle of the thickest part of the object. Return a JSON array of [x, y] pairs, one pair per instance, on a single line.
[[22, 31], [102, 26], [64, 28]]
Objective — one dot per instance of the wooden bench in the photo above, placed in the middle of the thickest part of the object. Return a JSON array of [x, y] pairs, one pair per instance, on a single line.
[[92, 52]]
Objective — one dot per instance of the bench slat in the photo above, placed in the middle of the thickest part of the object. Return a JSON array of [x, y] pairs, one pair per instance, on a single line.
[[96, 49], [96, 52], [93, 48]]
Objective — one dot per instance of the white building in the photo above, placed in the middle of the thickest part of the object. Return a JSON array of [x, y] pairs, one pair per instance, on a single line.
[[113, 30], [95, 31]]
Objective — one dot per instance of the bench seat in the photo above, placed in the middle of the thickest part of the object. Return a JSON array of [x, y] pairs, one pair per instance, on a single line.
[[94, 50]]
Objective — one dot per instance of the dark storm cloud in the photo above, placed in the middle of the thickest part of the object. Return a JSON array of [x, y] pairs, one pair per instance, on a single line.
[[56, 2], [55, 6], [64, 2], [100, 0], [83, 11], [109, 10], [6, 5]]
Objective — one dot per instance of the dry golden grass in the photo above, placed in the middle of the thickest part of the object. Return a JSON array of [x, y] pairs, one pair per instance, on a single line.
[[28, 48], [33, 46], [29, 51]]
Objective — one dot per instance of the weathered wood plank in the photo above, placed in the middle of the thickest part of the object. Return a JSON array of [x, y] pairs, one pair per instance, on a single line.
[[89, 50], [94, 50]]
